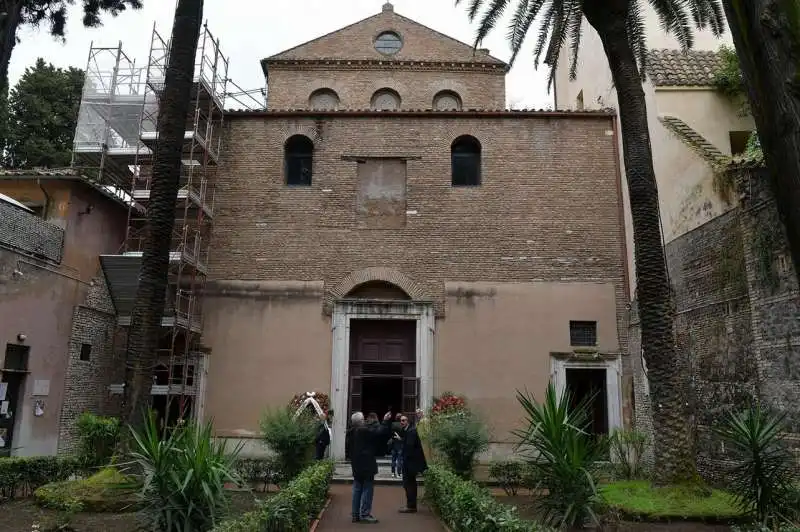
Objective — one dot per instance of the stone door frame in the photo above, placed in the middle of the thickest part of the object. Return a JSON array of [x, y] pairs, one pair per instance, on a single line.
[[348, 309], [612, 364]]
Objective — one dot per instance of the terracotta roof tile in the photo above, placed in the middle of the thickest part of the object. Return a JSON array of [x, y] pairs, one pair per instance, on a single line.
[[679, 68]]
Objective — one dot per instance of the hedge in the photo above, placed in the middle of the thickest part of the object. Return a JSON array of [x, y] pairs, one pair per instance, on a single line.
[[292, 508], [22, 476], [465, 506]]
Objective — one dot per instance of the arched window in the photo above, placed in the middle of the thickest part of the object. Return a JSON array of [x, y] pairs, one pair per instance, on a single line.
[[465, 155], [323, 99], [298, 155], [447, 101], [386, 100]]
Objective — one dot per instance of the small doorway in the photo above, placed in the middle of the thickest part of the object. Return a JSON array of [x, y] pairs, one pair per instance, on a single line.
[[590, 384]]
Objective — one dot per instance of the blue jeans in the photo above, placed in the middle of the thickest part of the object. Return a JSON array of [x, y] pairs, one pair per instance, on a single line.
[[397, 461], [363, 489]]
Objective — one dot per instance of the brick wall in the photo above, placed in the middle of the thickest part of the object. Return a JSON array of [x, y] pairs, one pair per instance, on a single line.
[[547, 209], [736, 325], [86, 382], [290, 88], [30, 234]]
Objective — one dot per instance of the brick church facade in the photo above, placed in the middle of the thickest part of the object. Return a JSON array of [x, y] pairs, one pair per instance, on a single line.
[[385, 231]]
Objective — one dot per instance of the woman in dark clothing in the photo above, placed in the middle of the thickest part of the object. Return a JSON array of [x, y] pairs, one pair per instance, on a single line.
[[364, 440], [414, 463], [396, 446]]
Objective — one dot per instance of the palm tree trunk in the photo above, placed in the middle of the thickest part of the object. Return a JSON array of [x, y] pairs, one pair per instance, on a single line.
[[673, 449], [151, 294], [767, 38]]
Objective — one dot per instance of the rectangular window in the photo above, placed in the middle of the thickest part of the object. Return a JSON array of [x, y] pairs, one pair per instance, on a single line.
[[17, 357], [86, 352], [583, 333], [739, 141]]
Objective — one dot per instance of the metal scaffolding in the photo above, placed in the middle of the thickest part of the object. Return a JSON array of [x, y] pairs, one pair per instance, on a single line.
[[115, 140]]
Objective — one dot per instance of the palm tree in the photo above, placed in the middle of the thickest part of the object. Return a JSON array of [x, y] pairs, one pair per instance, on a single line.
[[151, 293], [620, 25], [767, 44]]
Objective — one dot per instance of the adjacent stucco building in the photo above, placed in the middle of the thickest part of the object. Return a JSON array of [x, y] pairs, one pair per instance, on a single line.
[[385, 231], [56, 321]]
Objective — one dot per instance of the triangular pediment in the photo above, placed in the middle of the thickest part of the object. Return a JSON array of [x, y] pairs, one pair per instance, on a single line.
[[356, 42]]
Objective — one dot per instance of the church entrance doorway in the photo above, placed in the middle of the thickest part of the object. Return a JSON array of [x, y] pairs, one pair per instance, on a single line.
[[383, 366]]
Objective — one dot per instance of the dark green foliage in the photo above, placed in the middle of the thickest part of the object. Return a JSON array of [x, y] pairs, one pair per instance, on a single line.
[[509, 474], [181, 478], [292, 440], [22, 476], [465, 506], [98, 439], [292, 508], [259, 471], [43, 112], [459, 437], [728, 79], [564, 456], [762, 479]]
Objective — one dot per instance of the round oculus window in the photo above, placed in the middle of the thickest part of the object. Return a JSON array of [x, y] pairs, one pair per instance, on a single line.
[[388, 43]]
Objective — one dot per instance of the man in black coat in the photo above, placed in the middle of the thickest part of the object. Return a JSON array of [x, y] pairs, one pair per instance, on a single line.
[[364, 440], [414, 463]]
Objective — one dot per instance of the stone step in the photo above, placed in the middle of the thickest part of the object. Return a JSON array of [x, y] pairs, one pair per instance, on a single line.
[[343, 474]]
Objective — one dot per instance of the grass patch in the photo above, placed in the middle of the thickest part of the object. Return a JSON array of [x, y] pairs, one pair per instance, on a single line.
[[642, 500], [99, 493]]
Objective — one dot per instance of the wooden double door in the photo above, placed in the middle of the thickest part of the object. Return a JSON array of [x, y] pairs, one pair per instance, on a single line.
[[383, 368]]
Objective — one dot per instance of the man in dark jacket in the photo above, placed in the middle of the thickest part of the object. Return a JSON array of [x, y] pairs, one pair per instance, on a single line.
[[323, 438], [364, 440], [414, 463]]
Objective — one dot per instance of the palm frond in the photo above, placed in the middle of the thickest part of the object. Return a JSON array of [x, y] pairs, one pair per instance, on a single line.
[[637, 37], [674, 20], [575, 29], [489, 19]]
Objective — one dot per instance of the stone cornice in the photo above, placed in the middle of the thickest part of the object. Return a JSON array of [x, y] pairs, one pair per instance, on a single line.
[[382, 64]]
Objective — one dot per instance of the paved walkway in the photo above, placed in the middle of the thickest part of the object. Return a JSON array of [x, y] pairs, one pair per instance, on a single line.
[[387, 500]]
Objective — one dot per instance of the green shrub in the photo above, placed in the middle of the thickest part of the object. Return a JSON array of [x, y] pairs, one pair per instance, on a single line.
[[762, 479], [105, 491], [465, 506], [98, 438], [22, 476], [459, 437], [627, 451], [564, 456], [292, 440], [291, 509], [263, 471], [509, 474], [181, 477]]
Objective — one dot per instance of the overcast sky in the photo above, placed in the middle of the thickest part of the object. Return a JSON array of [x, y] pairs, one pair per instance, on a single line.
[[264, 28]]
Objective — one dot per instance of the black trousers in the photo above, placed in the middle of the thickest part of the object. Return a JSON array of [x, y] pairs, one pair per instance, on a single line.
[[410, 485], [319, 453]]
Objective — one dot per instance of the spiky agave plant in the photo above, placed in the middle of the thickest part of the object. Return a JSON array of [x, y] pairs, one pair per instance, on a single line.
[[182, 476], [563, 455], [762, 478]]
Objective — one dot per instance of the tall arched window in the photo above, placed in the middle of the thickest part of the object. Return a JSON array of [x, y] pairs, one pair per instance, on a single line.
[[385, 100], [465, 156], [298, 153]]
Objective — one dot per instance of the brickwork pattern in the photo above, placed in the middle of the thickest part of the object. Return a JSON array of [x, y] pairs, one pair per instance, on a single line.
[[290, 87], [86, 382], [548, 207], [389, 275], [30, 234], [738, 335]]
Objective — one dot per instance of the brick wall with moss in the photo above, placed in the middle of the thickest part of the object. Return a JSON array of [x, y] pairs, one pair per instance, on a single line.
[[737, 328]]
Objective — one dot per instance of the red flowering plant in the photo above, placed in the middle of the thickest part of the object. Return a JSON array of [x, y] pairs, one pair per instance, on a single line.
[[448, 403]]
